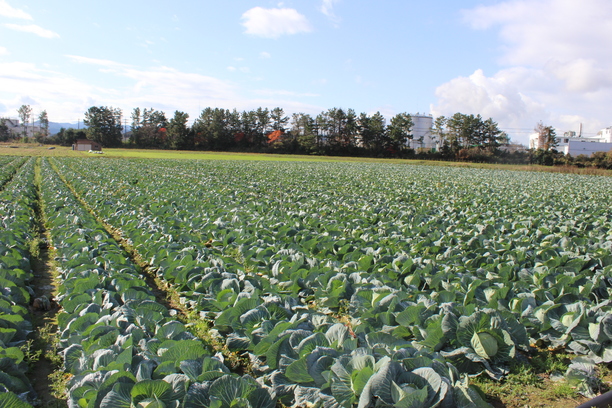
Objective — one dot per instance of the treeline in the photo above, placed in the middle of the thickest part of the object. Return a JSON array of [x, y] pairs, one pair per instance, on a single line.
[[333, 132]]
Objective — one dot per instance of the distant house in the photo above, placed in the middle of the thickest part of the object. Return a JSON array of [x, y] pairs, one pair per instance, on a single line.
[[85, 145]]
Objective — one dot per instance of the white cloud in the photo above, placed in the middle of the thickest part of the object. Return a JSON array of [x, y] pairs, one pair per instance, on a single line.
[[280, 92], [581, 75], [518, 98], [494, 97], [568, 39], [327, 8], [34, 29], [537, 31], [173, 86], [556, 67], [96, 61], [66, 98], [273, 23], [4, 51], [7, 11], [245, 70], [264, 54]]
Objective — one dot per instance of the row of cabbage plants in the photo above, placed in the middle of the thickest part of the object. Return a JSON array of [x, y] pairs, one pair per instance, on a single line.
[[283, 323], [8, 167], [16, 233], [472, 264], [121, 347]]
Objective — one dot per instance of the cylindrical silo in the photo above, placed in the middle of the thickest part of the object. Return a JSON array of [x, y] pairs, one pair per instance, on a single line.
[[421, 131]]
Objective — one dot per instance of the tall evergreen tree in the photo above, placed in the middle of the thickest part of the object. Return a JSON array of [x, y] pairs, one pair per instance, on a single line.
[[43, 119], [302, 132], [400, 131], [178, 132], [372, 132], [5, 133], [278, 118], [104, 125]]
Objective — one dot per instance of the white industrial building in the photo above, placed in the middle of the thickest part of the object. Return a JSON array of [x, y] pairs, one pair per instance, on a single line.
[[17, 128], [575, 144], [421, 132]]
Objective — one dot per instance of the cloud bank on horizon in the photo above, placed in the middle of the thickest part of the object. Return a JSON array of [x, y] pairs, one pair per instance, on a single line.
[[556, 66], [516, 61]]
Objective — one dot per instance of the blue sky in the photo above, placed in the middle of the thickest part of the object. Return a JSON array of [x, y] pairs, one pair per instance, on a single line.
[[516, 61]]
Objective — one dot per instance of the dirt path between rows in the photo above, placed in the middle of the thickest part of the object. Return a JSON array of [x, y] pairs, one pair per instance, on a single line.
[[44, 310]]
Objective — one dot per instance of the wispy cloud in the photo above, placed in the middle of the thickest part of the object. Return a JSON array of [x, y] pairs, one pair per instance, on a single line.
[[170, 84], [264, 54], [245, 70], [33, 29], [7, 10], [327, 8], [66, 97], [275, 22], [281, 92], [96, 61], [4, 51]]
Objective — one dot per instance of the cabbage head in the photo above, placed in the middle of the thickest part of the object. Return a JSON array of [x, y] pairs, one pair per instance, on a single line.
[[481, 343]]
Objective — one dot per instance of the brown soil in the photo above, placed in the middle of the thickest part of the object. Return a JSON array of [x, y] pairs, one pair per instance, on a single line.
[[547, 394]]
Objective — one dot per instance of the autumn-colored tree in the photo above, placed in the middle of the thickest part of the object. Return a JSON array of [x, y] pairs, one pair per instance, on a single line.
[[547, 137]]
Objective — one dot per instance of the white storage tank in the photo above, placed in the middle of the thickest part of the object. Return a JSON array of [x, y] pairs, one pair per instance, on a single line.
[[421, 131]]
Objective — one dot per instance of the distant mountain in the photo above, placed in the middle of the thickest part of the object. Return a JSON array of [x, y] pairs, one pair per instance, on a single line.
[[55, 127]]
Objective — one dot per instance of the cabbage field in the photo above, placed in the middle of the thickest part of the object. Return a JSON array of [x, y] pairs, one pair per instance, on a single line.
[[320, 284]]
